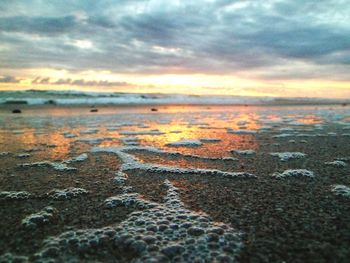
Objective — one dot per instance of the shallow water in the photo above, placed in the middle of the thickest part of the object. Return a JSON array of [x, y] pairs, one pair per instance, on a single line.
[[134, 149], [36, 128]]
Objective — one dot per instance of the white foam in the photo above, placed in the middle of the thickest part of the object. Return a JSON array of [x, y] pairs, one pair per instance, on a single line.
[[294, 173], [343, 159], [18, 132], [69, 135], [9, 257], [120, 177], [82, 157], [332, 134], [185, 143], [242, 123], [150, 132], [209, 140], [287, 130], [172, 198], [89, 131], [67, 193], [265, 129], [130, 140], [166, 232], [23, 155], [341, 190], [285, 156], [131, 163], [176, 131], [283, 135], [94, 140], [13, 195], [229, 130], [142, 125], [113, 128], [128, 200], [55, 165], [41, 218], [306, 135], [339, 164], [155, 168], [159, 151]]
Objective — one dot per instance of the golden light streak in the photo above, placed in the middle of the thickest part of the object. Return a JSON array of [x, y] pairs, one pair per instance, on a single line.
[[196, 84]]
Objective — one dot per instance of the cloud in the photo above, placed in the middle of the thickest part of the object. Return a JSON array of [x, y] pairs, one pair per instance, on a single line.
[[9, 79], [37, 25], [81, 82], [39, 80], [263, 38]]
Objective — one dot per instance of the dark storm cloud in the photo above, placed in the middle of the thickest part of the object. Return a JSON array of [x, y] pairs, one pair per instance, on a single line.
[[220, 37], [89, 83], [9, 79], [37, 25], [80, 82]]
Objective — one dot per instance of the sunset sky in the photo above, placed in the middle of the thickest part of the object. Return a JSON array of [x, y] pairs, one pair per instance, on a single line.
[[294, 48]]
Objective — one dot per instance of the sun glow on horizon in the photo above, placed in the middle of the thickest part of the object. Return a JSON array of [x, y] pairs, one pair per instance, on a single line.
[[193, 84]]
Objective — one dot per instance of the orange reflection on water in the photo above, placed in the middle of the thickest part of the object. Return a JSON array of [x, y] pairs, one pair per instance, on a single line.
[[309, 120], [215, 130], [49, 144], [247, 120], [60, 148]]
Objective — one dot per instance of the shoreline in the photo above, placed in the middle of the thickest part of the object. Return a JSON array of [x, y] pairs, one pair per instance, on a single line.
[[109, 105]]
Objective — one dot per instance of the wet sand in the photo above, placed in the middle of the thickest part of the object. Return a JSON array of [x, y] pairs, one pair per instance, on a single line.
[[263, 218]]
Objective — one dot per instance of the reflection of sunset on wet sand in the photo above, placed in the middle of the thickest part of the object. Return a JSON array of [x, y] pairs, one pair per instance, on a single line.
[[174, 131], [219, 160]]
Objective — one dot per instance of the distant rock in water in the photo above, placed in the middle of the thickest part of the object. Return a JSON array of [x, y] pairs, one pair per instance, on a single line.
[[94, 110], [50, 102], [16, 111], [154, 109]]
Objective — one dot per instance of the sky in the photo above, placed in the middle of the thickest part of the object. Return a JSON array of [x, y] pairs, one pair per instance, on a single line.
[[284, 48]]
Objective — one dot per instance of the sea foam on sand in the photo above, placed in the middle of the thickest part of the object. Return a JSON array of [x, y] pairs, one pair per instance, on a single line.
[[160, 232], [285, 156], [341, 190], [294, 173]]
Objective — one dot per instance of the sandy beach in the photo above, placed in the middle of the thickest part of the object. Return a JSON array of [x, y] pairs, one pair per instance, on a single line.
[[201, 183]]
